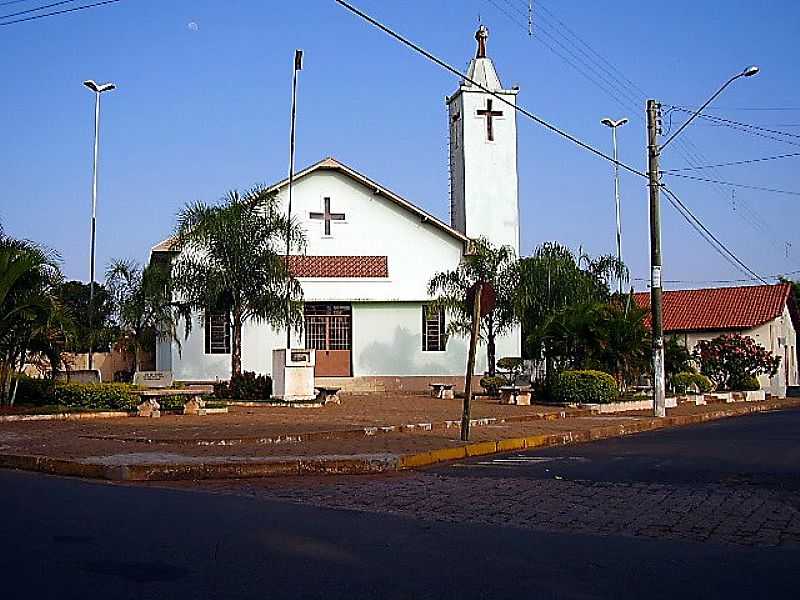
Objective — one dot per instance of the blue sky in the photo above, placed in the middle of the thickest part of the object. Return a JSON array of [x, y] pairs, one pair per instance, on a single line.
[[203, 109]]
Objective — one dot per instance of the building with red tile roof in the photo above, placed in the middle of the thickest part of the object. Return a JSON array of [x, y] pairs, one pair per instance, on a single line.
[[767, 313]]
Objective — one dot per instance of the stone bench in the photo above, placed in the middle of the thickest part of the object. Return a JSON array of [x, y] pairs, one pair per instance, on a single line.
[[512, 394], [443, 391], [149, 407], [328, 394]]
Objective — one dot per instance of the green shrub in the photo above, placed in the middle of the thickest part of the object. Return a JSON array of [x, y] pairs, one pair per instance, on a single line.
[[748, 384], [247, 386], [584, 387], [36, 392], [107, 396], [492, 384], [688, 380]]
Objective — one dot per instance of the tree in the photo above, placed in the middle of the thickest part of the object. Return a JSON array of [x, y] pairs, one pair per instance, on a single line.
[[74, 299], [30, 316], [558, 297], [485, 263], [623, 340], [677, 358], [231, 257], [143, 304], [729, 360]]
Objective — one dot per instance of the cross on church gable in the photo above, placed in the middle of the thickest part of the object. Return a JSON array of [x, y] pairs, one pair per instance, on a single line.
[[489, 114], [327, 216]]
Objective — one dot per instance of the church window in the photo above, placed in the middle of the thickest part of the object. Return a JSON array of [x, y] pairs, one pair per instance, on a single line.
[[218, 333], [434, 338]]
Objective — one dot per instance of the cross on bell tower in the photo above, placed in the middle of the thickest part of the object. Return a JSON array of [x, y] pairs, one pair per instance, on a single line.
[[483, 153]]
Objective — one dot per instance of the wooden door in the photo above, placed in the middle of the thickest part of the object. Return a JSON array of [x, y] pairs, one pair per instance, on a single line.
[[329, 331]]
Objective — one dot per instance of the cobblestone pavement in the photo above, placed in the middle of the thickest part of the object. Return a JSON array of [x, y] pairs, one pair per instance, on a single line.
[[731, 482], [721, 513]]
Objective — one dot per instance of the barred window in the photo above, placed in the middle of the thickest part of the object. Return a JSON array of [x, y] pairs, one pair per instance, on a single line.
[[218, 333], [433, 330]]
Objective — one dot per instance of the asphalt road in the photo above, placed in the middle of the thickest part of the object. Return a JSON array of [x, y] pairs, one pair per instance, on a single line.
[[762, 449], [63, 538]]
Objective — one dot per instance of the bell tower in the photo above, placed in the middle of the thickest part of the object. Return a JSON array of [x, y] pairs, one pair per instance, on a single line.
[[483, 154]]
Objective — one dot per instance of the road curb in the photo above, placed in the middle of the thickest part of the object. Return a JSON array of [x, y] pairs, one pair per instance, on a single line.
[[356, 463], [67, 416], [425, 459]]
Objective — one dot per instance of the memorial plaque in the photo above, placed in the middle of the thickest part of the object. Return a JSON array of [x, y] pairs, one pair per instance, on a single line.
[[153, 379]]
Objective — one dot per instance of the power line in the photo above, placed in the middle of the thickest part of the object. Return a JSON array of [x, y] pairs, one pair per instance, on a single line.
[[739, 123], [732, 184], [695, 222], [60, 12], [734, 163], [420, 50], [38, 8], [8, 2], [742, 280]]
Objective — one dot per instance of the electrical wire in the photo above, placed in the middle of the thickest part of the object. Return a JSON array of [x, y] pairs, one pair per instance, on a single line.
[[38, 8], [60, 12], [734, 163], [420, 50], [740, 123], [696, 223], [732, 184]]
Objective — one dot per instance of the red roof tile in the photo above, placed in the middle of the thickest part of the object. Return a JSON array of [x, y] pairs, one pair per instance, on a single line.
[[339, 266], [721, 308]]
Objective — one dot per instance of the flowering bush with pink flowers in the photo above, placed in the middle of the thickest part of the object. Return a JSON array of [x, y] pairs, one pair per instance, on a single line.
[[732, 360]]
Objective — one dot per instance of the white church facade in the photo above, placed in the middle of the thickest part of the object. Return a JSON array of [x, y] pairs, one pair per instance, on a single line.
[[370, 254]]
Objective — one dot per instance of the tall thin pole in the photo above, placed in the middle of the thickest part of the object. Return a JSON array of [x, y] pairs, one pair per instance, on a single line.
[[473, 344], [298, 65], [616, 204], [659, 399], [94, 228]]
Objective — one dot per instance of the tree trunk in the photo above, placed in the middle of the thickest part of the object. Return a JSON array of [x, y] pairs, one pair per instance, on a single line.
[[491, 350], [236, 345]]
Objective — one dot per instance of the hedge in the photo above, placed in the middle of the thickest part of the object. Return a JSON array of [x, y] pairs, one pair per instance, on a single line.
[[105, 396], [685, 380], [247, 386], [584, 387]]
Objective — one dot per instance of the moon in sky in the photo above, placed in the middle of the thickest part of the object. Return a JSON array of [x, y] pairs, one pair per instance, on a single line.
[[193, 26]]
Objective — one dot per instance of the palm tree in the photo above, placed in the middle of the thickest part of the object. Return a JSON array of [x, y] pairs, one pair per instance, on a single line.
[[558, 296], [143, 304], [488, 264], [29, 310], [624, 340], [231, 257]]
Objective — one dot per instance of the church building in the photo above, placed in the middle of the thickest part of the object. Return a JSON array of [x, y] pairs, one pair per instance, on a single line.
[[370, 254]]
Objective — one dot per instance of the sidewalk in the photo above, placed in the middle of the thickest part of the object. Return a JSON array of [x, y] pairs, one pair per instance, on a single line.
[[364, 435]]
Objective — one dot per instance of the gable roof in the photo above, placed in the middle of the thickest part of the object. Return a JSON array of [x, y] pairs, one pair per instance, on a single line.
[[331, 164], [726, 308]]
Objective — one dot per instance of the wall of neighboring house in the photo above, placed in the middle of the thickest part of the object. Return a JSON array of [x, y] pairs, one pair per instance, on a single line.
[[778, 336]]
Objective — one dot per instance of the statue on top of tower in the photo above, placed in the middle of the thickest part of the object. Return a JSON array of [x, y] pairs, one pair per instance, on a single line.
[[481, 35]]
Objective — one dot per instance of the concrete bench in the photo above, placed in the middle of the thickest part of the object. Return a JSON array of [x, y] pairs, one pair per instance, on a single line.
[[443, 391], [149, 407], [512, 394], [328, 394]]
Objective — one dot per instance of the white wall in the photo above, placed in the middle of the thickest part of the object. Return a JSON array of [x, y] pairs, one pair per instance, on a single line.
[[376, 226], [766, 335], [387, 340]]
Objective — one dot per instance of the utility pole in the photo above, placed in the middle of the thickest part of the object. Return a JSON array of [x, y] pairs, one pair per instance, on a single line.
[[656, 309]]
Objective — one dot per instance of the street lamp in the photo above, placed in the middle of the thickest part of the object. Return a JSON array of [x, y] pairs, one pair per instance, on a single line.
[[654, 183], [97, 89], [748, 72], [613, 125]]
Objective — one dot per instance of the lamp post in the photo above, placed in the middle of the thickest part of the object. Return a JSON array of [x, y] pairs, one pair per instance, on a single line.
[[653, 155], [98, 89], [613, 125]]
